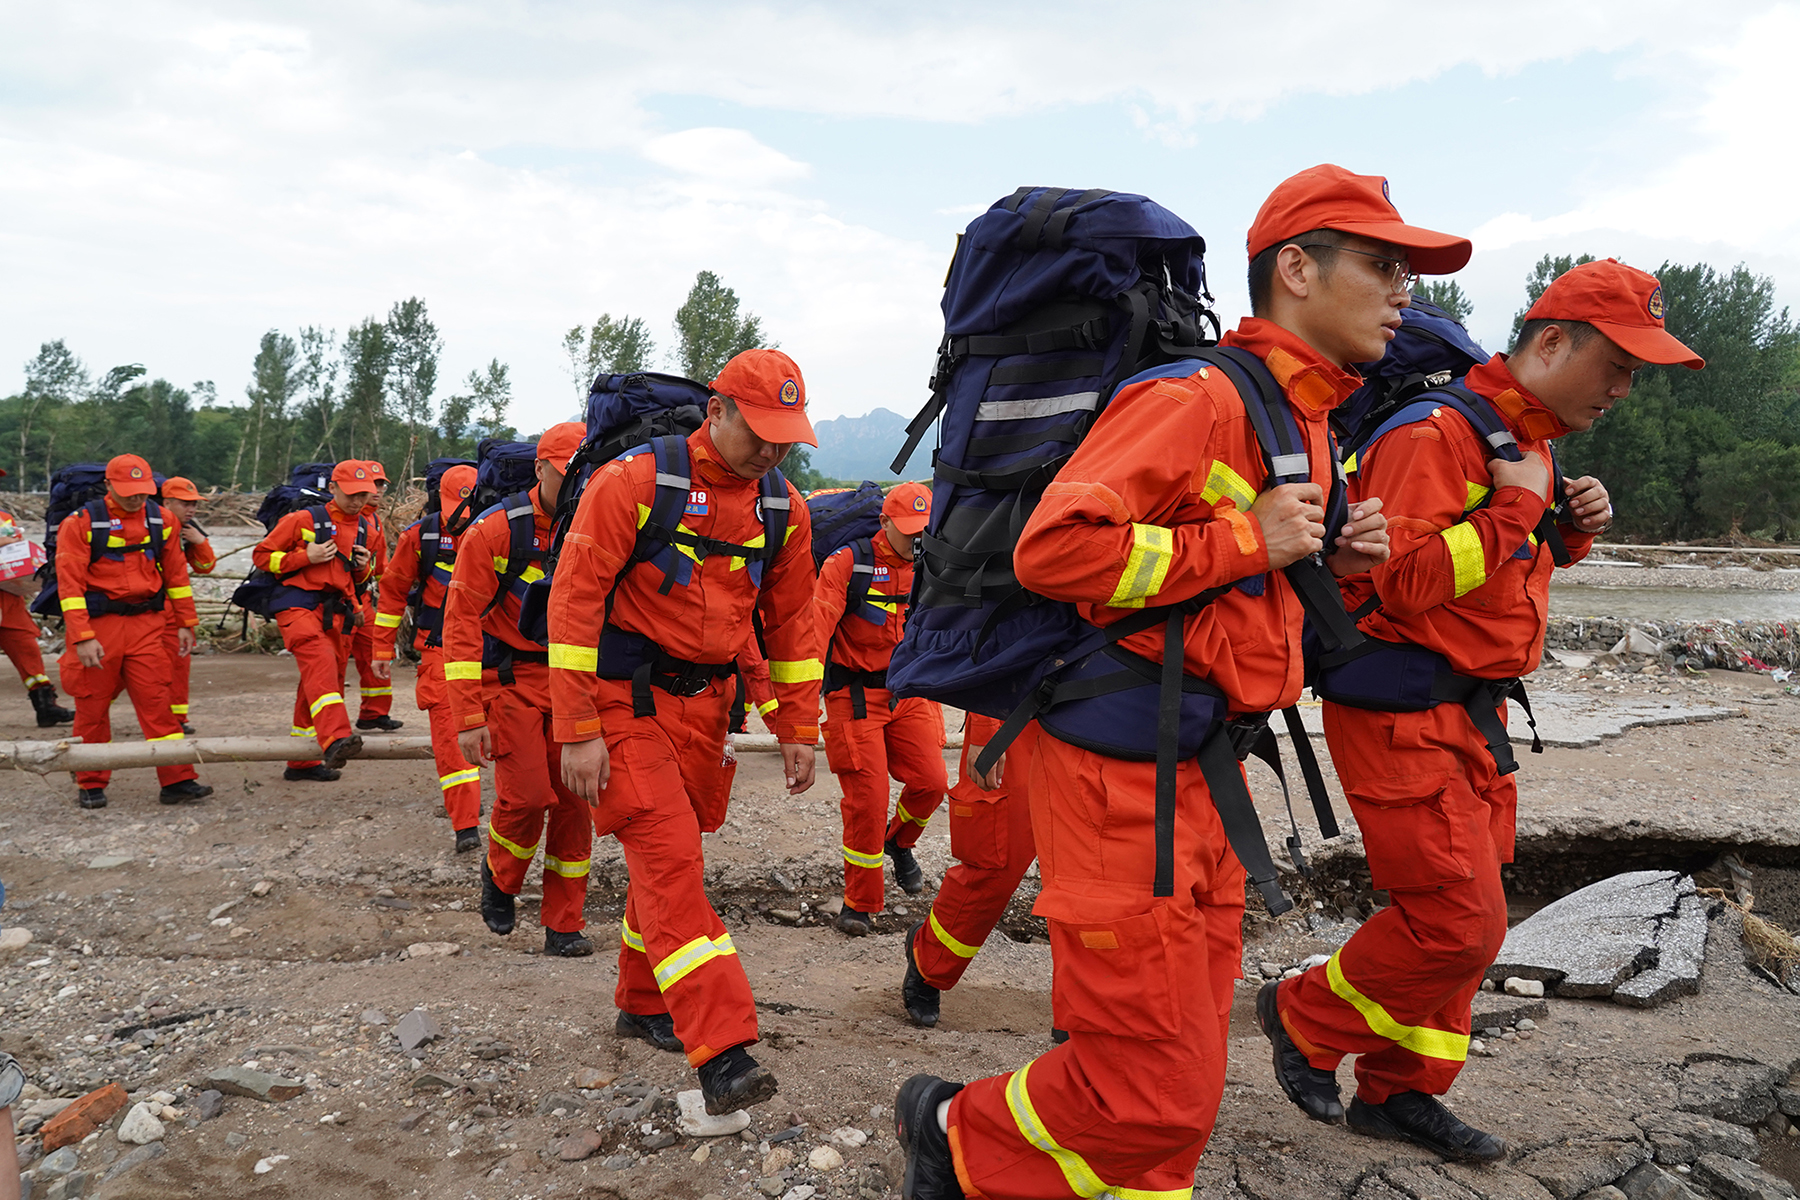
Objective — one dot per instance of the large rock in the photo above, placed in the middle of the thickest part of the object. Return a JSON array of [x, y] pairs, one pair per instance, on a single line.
[[1735, 1179], [1680, 1137], [257, 1085], [141, 1126], [84, 1116], [135, 1158], [1568, 1170], [1647, 1181], [1731, 1089], [417, 1028], [1642, 933]]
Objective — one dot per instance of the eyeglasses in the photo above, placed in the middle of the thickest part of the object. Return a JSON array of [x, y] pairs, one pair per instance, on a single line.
[[1399, 273]]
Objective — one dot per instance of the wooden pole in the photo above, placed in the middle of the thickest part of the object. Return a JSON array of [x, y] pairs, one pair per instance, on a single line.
[[70, 754]]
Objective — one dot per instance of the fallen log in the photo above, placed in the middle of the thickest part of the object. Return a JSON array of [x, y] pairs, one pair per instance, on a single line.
[[71, 754]]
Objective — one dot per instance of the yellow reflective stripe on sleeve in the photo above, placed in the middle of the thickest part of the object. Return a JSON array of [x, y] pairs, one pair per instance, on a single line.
[[1081, 1177], [500, 564], [900, 808], [70, 603], [513, 848], [375, 691], [472, 775], [768, 706], [1152, 550], [326, 699], [275, 557], [1465, 556], [568, 870], [799, 671], [181, 593], [1223, 483], [857, 858], [462, 670], [168, 737], [690, 958], [1429, 1043], [951, 944], [307, 535], [388, 620], [632, 939], [564, 657], [1476, 493], [531, 574]]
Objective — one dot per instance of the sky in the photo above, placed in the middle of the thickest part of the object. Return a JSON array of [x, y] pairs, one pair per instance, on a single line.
[[178, 177]]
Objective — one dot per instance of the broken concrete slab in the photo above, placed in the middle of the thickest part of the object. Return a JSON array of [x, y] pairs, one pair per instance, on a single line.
[[1647, 1181], [1735, 1179], [1572, 720], [1423, 1182], [1491, 1181], [1568, 1170], [1592, 942], [1678, 1138], [1741, 1091], [1494, 1010]]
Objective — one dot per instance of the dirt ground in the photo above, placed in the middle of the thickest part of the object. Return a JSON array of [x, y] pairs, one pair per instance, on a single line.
[[295, 980]]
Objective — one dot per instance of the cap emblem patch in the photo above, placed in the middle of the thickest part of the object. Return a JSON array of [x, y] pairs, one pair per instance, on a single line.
[[137, 472], [1656, 303], [464, 493], [790, 393], [919, 503]]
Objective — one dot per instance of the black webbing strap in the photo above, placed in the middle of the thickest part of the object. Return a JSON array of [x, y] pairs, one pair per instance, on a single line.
[[1031, 234], [1253, 736], [1309, 771], [1485, 419], [1168, 737], [1237, 815], [1059, 221], [1481, 699]]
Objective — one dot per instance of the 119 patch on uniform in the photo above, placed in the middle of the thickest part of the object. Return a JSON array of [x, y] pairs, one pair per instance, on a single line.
[[696, 503]]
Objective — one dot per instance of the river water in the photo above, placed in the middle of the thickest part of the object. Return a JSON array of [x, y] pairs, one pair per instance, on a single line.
[[1674, 604]]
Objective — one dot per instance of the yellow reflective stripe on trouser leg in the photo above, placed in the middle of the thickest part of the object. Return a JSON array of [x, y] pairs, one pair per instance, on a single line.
[[1152, 550], [631, 938], [1428, 1043], [36, 681], [327, 698], [857, 858], [513, 848], [168, 737], [1466, 558], [900, 811], [180, 710], [472, 775], [951, 944], [302, 731], [375, 691], [1081, 1178], [568, 870], [690, 958]]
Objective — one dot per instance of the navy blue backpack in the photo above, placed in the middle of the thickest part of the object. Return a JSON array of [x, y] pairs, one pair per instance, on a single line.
[[840, 516], [308, 485], [71, 489]]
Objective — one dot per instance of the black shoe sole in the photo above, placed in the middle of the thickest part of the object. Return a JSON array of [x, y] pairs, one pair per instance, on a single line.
[[911, 882], [305, 775], [201, 793], [924, 1018], [499, 915], [625, 1026], [1362, 1119], [579, 948], [84, 803], [1268, 1016], [761, 1087], [915, 1107], [341, 752]]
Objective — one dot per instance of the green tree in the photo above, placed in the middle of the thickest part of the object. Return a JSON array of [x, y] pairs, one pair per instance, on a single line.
[[709, 331], [1756, 484], [53, 380], [479, 410], [274, 380], [1448, 295], [1543, 272], [798, 468], [1750, 347], [318, 383], [617, 346], [413, 349], [366, 353]]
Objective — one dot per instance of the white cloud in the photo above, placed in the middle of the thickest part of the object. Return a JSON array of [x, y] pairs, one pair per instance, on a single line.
[[732, 157]]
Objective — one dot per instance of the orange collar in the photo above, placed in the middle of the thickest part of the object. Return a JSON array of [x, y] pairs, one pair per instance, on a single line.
[[885, 553], [1313, 385], [1523, 412]]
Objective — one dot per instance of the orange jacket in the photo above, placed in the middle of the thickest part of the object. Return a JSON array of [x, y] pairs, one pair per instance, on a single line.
[[482, 557], [397, 584], [200, 557], [1453, 582], [132, 579], [759, 692], [706, 621], [854, 642], [283, 553], [1154, 508]]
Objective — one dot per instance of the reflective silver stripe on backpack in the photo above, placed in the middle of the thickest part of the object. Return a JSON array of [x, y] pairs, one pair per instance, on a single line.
[[776, 502], [1290, 464], [1047, 406], [674, 481]]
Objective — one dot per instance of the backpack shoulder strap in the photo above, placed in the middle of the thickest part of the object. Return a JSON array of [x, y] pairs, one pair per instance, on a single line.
[[99, 528], [521, 547], [155, 527], [862, 573]]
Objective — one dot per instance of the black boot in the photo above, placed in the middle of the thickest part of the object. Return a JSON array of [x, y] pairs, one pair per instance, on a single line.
[[92, 798], [906, 869], [342, 751], [656, 1028], [496, 905], [317, 773], [930, 1171], [468, 839], [1422, 1120], [920, 998], [734, 1080], [49, 712], [566, 945], [384, 723], [854, 923], [187, 789], [1315, 1091]]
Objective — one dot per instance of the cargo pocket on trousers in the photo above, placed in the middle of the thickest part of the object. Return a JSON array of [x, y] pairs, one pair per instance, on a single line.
[[980, 830], [840, 750], [1114, 975]]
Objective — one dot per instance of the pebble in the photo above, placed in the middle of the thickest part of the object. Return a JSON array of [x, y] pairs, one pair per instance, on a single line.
[[589, 1078], [849, 1137], [374, 1016], [701, 1154], [265, 1165], [141, 1125], [1314, 960], [773, 1185], [1292, 973], [417, 1028], [695, 1121], [263, 887], [786, 916], [1269, 970], [106, 862], [1487, 985], [619, 1162], [580, 1146], [661, 1141], [1516, 986], [59, 1162], [433, 950], [805, 1191], [16, 938], [824, 1158], [234, 1140], [1526, 1025], [787, 1134], [777, 1160]]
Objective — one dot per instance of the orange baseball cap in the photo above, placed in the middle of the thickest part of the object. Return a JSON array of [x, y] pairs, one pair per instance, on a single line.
[[1329, 197], [375, 471], [908, 506], [353, 475], [1622, 302], [179, 487], [557, 444], [454, 487], [768, 390], [130, 476]]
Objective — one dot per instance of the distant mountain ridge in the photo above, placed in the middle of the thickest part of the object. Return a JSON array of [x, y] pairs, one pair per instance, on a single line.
[[863, 447]]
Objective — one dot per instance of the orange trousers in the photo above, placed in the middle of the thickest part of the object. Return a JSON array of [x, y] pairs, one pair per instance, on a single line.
[[907, 743], [531, 805], [320, 654], [668, 786], [459, 781], [375, 695], [18, 640], [1142, 984], [180, 669], [990, 836], [135, 662], [1437, 822]]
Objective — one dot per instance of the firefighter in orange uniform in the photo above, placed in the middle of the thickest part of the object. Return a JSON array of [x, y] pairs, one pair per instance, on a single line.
[[869, 736], [1469, 580], [375, 691], [459, 782], [499, 684], [1154, 508], [640, 665], [322, 572], [19, 642], [182, 499], [990, 836], [118, 565]]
